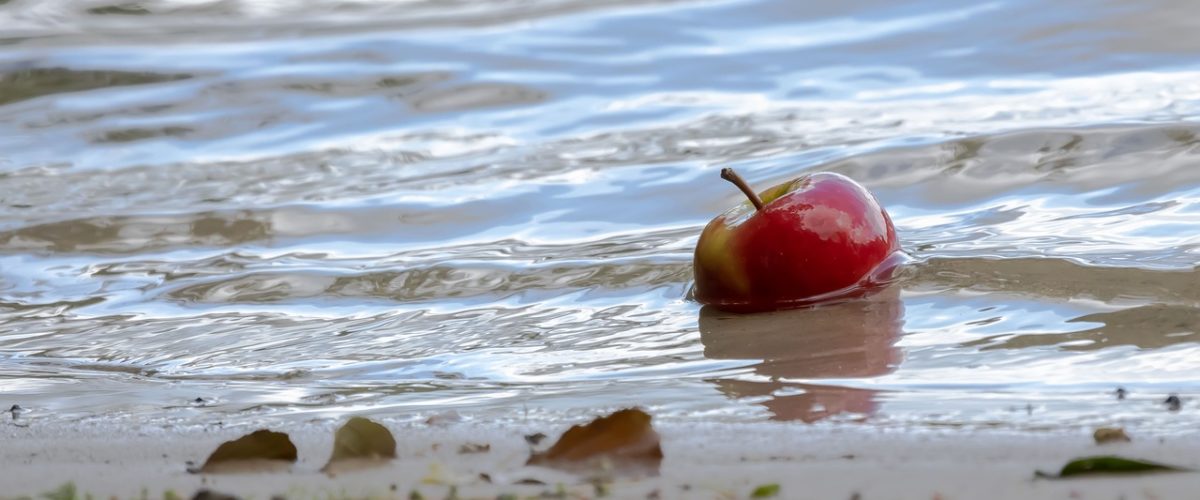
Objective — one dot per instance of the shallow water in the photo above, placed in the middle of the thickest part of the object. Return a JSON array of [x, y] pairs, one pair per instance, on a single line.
[[233, 210]]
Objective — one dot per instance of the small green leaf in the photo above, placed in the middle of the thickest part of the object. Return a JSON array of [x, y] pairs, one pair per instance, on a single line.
[[1109, 465], [765, 491], [64, 492]]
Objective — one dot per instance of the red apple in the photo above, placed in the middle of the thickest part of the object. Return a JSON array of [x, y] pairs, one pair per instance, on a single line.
[[818, 237]]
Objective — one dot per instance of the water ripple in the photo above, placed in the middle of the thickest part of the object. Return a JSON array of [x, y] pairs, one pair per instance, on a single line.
[[297, 209]]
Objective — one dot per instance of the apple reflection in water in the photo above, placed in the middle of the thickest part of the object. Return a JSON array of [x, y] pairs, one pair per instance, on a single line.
[[850, 339]]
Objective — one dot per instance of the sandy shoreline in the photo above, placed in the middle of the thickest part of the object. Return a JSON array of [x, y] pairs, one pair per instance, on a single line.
[[701, 461]]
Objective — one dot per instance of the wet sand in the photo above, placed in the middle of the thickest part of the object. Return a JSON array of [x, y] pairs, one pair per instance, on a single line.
[[701, 461]]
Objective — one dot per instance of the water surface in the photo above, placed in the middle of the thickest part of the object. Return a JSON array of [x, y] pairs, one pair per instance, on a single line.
[[236, 210]]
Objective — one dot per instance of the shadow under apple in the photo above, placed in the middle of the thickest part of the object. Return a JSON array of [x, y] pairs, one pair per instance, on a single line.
[[850, 339]]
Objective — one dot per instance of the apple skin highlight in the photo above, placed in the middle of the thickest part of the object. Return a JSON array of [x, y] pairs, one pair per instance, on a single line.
[[815, 238]]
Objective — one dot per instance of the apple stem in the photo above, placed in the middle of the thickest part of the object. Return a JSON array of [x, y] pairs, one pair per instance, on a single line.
[[737, 180]]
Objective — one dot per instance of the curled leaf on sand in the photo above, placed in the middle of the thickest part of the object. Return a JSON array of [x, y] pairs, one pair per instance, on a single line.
[[474, 448], [358, 443], [1108, 465], [258, 451], [1105, 435], [207, 494], [624, 441]]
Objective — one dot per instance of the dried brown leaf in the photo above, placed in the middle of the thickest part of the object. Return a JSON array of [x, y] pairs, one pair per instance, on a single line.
[[529, 481], [206, 494], [474, 448], [260, 450], [623, 440], [361, 442], [1110, 435]]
